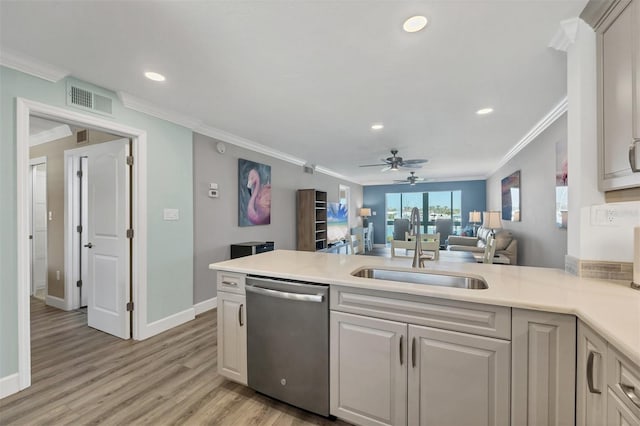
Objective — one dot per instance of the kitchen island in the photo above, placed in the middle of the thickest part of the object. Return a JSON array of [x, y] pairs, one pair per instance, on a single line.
[[611, 310]]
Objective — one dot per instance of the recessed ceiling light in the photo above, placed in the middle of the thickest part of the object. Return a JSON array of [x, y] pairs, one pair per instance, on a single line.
[[377, 126], [414, 24], [154, 76], [484, 111]]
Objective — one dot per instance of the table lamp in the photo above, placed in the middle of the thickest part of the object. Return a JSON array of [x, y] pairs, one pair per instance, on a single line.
[[474, 219], [365, 213], [492, 221]]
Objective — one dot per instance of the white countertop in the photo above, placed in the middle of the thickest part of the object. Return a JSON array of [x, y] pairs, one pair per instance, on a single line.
[[610, 308]]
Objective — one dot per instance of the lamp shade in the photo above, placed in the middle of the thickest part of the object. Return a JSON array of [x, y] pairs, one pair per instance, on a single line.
[[492, 220], [474, 217], [365, 212]]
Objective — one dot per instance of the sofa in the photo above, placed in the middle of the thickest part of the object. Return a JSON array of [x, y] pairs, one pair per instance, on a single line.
[[506, 244]]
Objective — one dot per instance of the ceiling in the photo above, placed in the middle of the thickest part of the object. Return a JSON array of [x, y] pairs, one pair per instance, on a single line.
[[309, 78]]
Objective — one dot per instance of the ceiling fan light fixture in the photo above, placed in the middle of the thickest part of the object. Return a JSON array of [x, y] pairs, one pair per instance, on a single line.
[[415, 24]]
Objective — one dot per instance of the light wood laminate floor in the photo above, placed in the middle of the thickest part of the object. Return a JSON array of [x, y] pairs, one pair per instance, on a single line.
[[83, 376]]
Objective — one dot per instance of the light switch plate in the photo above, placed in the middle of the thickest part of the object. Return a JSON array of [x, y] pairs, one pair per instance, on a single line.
[[171, 214]]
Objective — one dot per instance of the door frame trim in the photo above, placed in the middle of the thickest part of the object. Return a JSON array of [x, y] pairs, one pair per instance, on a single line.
[[25, 108]]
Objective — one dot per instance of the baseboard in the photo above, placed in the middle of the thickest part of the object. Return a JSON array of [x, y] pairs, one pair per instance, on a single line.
[[379, 245], [167, 323], [205, 306], [9, 385], [56, 302]]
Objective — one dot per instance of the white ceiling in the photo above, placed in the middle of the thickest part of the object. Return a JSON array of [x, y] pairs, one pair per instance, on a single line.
[[308, 78]]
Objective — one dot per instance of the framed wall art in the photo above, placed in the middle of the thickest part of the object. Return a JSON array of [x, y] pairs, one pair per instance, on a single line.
[[254, 193], [511, 197]]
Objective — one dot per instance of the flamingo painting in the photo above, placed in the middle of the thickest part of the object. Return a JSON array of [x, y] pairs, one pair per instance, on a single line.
[[254, 196]]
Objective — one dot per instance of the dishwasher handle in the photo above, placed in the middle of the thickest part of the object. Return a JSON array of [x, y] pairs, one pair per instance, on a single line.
[[316, 298]]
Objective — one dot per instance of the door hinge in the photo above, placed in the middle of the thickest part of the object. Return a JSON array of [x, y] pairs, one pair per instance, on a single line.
[[129, 306], [79, 228], [129, 233], [129, 160], [79, 283], [79, 173]]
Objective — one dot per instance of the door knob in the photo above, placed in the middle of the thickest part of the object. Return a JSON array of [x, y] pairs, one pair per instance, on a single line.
[[88, 245]]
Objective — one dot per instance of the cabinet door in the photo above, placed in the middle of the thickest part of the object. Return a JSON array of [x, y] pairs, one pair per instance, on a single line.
[[618, 414], [543, 368], [457, 378], [591, 384], [368, 370], [616, 45], [232, 337]]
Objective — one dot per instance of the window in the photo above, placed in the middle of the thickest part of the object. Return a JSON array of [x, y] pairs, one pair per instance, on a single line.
[[438, 205]]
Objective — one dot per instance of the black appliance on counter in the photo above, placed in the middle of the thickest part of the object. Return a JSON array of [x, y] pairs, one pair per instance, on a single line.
[[249, 248]]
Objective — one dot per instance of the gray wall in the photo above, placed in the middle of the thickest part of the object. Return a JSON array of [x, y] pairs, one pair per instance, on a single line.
[[540, 241], [216, 219]]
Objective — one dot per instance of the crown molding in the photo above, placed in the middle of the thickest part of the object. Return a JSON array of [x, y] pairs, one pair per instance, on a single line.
[[52, 134], [566, 34], [140, 105], [146, 107], [31, 66], [540, 127]]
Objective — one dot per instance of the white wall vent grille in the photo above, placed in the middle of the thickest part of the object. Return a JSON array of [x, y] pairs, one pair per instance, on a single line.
[[87, 99]]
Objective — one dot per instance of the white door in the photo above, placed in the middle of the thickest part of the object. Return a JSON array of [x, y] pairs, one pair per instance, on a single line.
[[108, 254], [38, 228]]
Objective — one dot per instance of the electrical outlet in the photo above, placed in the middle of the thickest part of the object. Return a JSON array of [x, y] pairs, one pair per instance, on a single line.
[[615, 214]]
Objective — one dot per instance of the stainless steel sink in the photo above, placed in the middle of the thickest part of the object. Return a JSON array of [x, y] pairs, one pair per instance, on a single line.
[[419, 277]]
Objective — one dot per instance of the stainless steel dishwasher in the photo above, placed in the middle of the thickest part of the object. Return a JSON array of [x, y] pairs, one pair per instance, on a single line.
[[288, 341]]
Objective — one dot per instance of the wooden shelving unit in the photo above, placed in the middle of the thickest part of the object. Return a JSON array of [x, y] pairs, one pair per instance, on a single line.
[[311, 220]]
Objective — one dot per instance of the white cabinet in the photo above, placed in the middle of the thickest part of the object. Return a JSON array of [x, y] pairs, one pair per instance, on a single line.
[[543, 368], [618, 38], [591, 385], [618, 413], [368, 370], [232, 328], [457, 378], [623, 380]]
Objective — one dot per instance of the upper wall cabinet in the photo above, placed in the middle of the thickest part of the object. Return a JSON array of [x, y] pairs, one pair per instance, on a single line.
[[618, 54]]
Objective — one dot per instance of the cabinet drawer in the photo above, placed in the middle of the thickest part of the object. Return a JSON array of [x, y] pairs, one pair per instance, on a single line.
[[231, 282], [474, 318], [623, 377]]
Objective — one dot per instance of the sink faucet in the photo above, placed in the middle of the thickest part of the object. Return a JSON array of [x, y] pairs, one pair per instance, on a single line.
[[418, 259]]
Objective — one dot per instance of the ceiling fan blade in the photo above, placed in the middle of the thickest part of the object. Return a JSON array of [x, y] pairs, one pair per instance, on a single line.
[[385, 169], [415, 161], [373, 165], [411, 166]]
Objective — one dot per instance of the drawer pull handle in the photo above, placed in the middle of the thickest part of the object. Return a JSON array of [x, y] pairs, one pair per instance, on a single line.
[[413, 352], [401, 354], [230, 283], [240, 315], [592, 355], [632, 156], [630, 391]]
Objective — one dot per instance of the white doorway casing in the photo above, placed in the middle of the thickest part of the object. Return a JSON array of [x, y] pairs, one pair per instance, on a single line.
[[24, 109]]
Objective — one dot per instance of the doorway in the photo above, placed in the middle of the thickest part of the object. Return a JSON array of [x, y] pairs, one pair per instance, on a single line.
[[25, 109], [38, 226]]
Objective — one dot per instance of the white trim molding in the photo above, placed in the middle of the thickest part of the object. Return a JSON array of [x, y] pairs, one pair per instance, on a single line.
[[566, 34], [206, 305], [52, 134], [31, 66], [168, 323], [9, 385], [56, 302], [540, 127], [198, 126]]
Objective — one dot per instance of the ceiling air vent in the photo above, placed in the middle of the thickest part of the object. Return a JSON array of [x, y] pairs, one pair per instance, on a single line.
[[82, 136], [87, 99]]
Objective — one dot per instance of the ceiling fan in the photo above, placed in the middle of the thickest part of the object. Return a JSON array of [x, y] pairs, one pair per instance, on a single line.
[[411, 179], [394, 163]]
